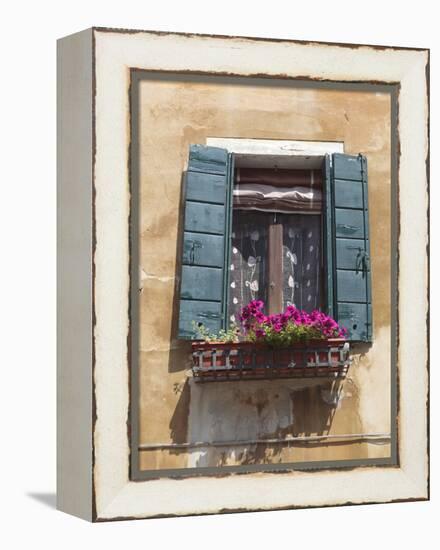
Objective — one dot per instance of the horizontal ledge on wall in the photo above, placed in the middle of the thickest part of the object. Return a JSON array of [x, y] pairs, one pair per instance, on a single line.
[[378, 438]]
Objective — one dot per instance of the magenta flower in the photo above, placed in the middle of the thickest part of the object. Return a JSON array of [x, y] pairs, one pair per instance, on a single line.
[[291, 325]]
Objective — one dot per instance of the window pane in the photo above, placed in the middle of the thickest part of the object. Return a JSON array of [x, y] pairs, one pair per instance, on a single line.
[[301, 260], [248, 277]]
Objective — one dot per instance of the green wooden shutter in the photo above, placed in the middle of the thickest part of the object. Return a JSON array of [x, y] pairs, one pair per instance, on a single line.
[[348, 244], [206, 240]]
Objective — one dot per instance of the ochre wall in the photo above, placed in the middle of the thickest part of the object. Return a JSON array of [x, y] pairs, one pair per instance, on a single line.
[[174, 114]]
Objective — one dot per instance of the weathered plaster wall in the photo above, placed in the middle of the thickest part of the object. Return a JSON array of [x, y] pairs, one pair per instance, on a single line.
[[174, 114]]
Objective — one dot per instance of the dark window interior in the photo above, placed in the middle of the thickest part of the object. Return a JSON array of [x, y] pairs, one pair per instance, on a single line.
[[276, 248]]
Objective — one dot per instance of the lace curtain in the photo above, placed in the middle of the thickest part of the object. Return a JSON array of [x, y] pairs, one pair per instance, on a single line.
[[301, 259], [248, 269]]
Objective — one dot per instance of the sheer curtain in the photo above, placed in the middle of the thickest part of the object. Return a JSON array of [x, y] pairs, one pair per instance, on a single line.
[[301, 260], [248, 269], [293, 199]]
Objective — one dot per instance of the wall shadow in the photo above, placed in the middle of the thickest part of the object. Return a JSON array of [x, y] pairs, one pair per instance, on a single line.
[[181, 349], [249, 411], [179, 420]]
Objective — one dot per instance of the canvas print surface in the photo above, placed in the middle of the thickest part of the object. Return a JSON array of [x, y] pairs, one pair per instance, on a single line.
[[262, 281]]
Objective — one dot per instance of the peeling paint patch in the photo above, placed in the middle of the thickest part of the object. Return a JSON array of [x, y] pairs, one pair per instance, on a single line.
[[253, 410], [331, 397], [144, 276]]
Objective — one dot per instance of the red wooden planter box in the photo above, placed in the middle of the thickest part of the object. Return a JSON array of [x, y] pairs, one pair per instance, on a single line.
[[249, 361]]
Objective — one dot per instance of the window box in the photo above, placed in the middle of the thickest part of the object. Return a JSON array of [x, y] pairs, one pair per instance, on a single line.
[[247, 360]]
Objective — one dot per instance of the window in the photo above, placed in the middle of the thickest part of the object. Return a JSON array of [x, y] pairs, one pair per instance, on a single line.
[[284, 234], [276, 253]]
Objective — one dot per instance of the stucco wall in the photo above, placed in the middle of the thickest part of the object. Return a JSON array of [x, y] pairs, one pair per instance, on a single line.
[[174, 114]]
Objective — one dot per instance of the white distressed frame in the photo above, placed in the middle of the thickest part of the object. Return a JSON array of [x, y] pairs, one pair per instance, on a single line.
[[115, 53]]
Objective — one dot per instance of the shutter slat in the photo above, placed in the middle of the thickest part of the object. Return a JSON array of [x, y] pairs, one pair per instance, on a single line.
[[205, 238], [201, 283], [206, 187], [209, 160], [348, 194], [349, 223], [349, 252], [349, 288], [347, 167], [203, 249], [207, 313], [354, 318], [205, 218]]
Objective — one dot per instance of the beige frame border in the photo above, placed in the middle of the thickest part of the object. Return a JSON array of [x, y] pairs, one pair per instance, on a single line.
[[115, 53]]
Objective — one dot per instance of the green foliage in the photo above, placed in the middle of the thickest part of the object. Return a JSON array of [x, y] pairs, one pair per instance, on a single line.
[[230, 335], [291, 333]]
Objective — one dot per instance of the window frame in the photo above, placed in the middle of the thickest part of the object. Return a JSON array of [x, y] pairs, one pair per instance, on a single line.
[[297, 154]]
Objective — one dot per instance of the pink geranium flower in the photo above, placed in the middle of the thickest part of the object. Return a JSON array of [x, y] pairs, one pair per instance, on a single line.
[[290, 326]]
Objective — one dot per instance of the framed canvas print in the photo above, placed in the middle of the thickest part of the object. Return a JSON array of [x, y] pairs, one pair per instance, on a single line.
[[243, 274]]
